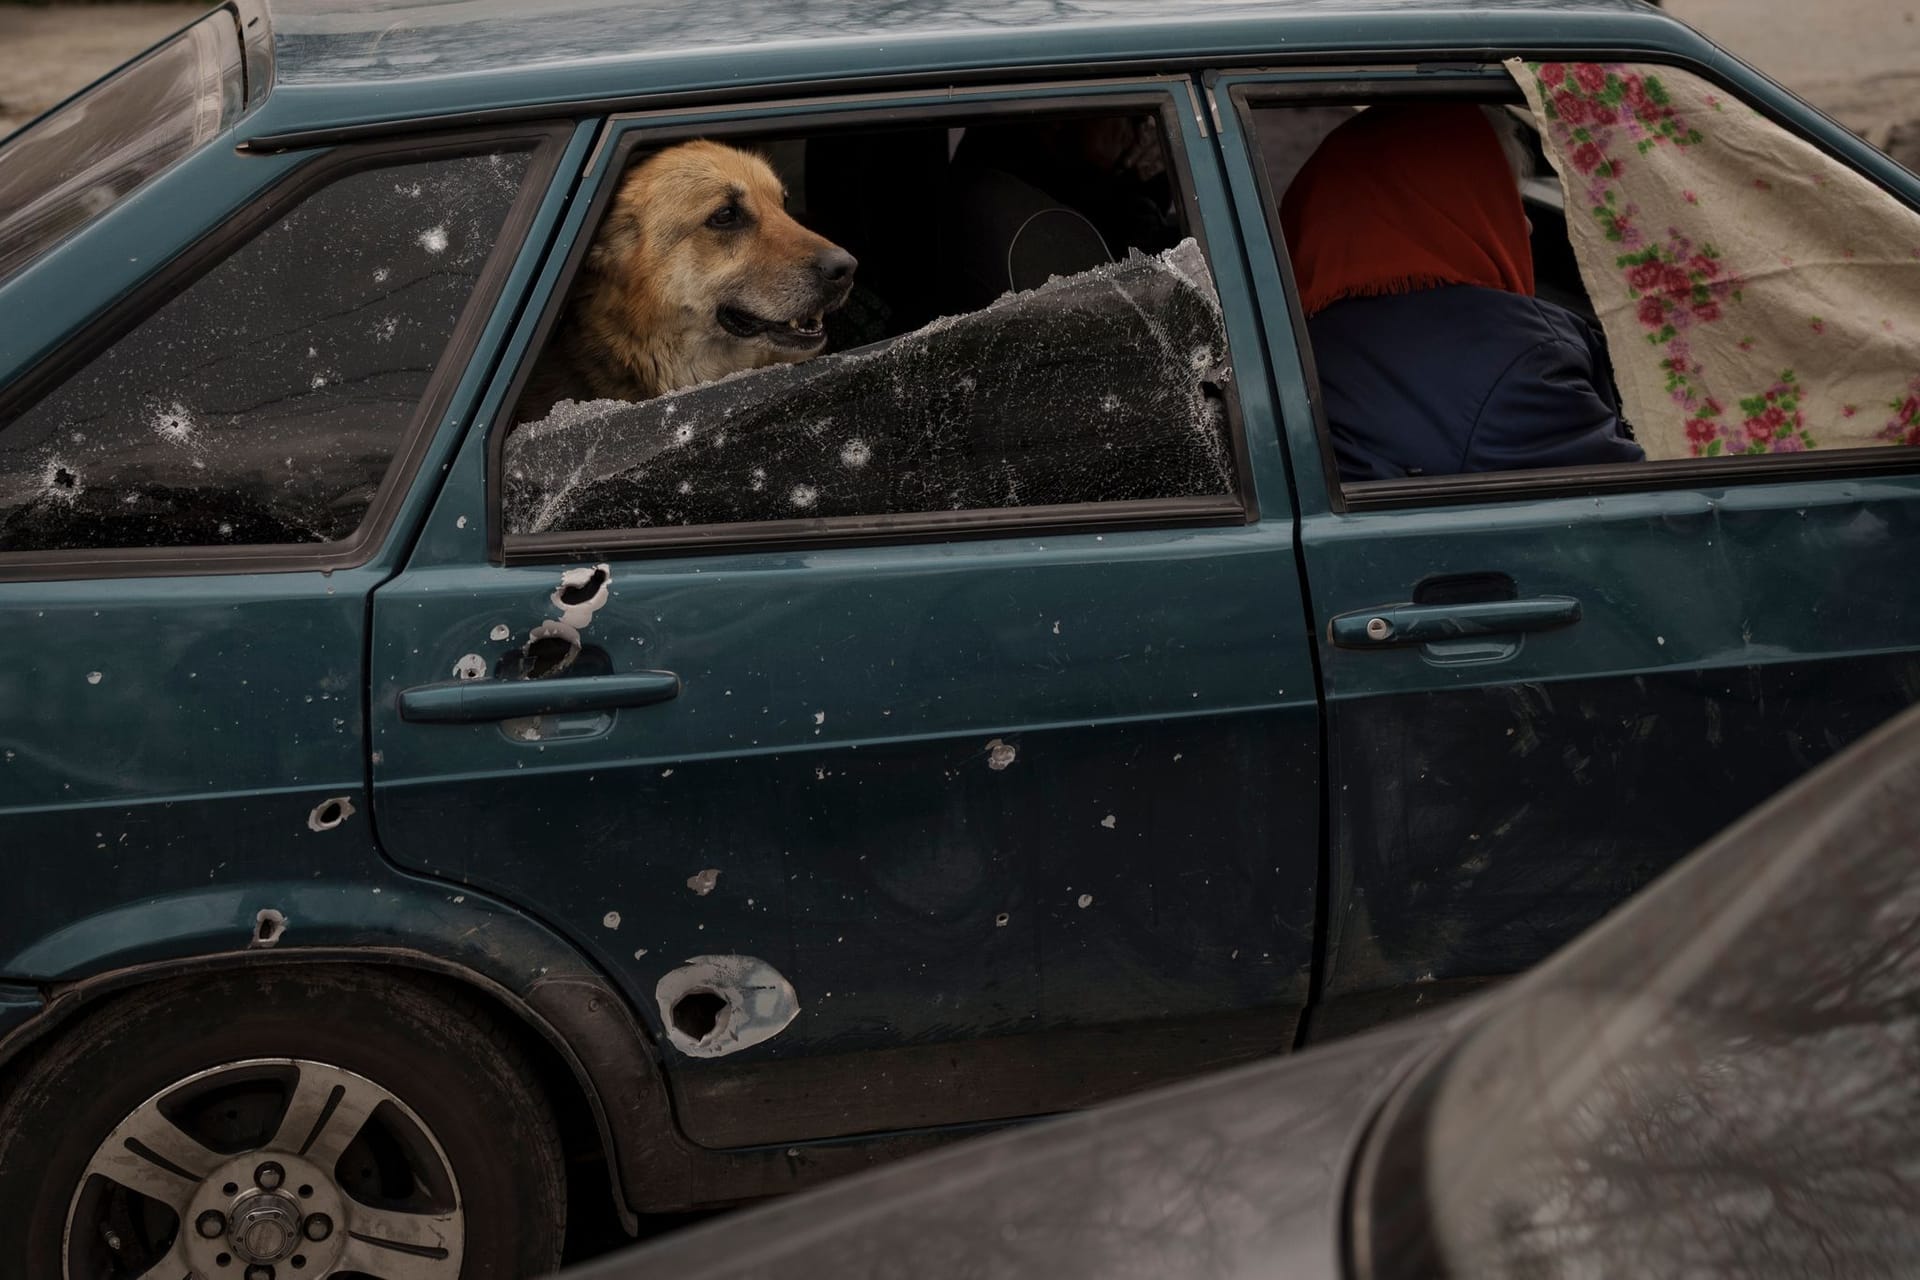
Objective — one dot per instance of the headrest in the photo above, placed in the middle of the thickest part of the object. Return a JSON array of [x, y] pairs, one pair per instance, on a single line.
[[1004, 235]]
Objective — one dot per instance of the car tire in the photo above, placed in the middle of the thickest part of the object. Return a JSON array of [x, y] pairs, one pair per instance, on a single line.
[[422, 1109]]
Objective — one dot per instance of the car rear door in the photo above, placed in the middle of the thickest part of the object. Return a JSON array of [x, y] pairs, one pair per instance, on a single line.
[[959, 818], [1542, 688]]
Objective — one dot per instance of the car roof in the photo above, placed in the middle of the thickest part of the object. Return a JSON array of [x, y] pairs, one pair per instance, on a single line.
[[340, 63]]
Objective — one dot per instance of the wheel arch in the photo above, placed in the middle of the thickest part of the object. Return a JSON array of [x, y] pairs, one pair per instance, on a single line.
[[576, 1022], [544, 986]]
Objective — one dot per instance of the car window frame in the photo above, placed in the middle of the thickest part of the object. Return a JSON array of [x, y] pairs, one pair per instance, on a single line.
[[1164, 95], [544, 142], [1478, 79]]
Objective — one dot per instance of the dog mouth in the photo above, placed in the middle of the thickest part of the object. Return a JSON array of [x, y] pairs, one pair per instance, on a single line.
[[805, 331]]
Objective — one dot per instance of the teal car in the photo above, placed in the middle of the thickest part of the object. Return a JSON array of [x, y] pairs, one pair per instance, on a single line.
[[420, 811]]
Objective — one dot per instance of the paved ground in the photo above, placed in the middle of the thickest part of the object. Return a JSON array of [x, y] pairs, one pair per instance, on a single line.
[[1858, 59]]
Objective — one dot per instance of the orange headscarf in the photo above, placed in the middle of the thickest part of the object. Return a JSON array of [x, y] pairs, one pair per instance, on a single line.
[[1405, 197]]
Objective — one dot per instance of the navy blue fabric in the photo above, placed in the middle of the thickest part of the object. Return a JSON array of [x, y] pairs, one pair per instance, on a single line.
[[1461, 378]]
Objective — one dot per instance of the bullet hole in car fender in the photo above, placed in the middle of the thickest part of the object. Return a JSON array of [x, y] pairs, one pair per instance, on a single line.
[[697, 1014], [268, 926], [712, 1006]]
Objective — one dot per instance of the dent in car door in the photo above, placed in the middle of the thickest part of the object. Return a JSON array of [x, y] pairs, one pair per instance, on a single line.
[[1002, 825]]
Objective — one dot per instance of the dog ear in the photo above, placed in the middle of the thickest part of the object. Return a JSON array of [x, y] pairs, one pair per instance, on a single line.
[[617, 240]]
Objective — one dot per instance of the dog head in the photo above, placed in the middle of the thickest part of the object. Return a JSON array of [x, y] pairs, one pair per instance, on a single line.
[[700, 263]]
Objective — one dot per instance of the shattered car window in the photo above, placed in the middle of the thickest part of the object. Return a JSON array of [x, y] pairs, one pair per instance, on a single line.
[[1103, 386], [264, 403]]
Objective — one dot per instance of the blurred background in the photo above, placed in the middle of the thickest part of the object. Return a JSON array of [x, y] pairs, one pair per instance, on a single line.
[[1857, 59]]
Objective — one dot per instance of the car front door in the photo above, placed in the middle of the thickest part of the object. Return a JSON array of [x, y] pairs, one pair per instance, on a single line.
[[1542, 688], [883, 821]]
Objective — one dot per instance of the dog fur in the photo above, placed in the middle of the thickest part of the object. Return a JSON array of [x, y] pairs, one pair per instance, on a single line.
[[697, 272]]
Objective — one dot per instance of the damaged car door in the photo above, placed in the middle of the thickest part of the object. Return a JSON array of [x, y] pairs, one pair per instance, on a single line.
[[921, 734], [1545, 685]]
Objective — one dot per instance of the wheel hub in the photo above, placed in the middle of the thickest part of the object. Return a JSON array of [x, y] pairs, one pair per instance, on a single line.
[[285, 1210], [266, 1226]]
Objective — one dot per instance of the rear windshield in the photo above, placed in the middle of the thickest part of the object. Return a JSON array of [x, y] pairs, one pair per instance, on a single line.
[[73, 165]]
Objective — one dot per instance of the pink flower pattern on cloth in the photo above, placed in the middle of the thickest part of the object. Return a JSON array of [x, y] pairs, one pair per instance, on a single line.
[[1755, 292]]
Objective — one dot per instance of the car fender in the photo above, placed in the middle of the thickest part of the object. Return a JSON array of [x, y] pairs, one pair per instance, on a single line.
[[523, 967], [455, 933]]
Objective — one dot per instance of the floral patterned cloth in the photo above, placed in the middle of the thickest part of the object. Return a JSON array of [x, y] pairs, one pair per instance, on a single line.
[[1758, 295]]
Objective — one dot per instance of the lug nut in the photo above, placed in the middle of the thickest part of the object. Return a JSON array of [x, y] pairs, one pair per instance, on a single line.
[[212, 1224], [260, 1273], [269, 1175], [318, 1227]]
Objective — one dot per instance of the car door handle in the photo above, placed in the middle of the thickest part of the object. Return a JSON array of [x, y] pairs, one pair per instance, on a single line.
[[476, 701], [1402, 624]]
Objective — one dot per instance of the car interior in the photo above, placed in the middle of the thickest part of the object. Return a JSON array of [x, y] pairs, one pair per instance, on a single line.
[[944, 219], [1287, 135], [947, 221]]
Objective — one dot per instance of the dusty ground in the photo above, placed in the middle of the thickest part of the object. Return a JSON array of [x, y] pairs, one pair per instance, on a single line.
[[1858, 59]]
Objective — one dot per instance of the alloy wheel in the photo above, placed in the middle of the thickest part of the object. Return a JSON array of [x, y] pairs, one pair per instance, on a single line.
[[267, 1169]]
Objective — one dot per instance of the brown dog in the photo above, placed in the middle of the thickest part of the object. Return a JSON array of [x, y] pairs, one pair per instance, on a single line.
[[697, 272]]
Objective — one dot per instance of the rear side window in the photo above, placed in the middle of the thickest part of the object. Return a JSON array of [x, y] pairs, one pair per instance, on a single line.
[[1762, 298], [1700, 283], [264, 404], [69, 168]]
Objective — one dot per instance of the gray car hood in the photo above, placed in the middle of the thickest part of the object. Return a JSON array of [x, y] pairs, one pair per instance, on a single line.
[[1231, 1177]]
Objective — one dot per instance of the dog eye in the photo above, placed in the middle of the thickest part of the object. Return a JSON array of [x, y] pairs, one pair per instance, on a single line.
[[724, 217]]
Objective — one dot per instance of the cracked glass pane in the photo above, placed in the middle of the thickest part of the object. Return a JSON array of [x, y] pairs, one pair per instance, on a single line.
[[264, 403], [1103, 386]]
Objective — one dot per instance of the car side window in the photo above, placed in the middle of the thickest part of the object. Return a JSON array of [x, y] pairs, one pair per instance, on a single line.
[[1762, 297], [1447, 334], [264, 403], [755, 338], [1689, 281]]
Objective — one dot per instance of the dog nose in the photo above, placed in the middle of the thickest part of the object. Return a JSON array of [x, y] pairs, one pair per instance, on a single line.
[[835, 265]]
